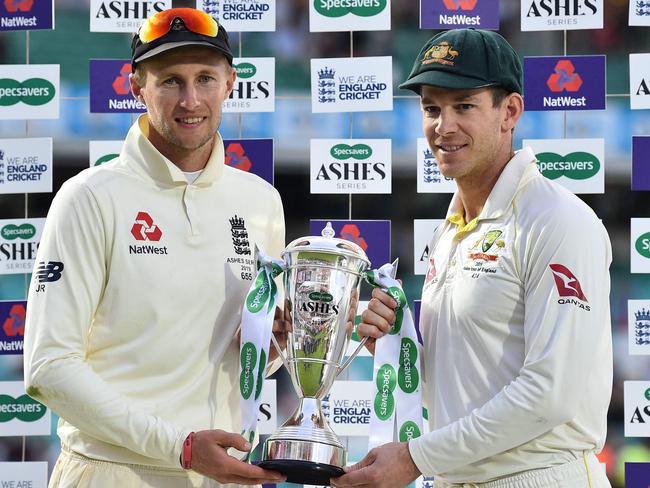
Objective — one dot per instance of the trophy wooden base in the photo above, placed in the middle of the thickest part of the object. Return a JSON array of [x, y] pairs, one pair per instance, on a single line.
[[303, 472]]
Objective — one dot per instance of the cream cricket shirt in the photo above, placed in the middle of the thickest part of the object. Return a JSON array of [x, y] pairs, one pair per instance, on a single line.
[[516, 326], [136, 299]]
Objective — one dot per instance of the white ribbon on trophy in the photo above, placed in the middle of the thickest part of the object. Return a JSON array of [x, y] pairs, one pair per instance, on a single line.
[[256, 329], [396, 370]]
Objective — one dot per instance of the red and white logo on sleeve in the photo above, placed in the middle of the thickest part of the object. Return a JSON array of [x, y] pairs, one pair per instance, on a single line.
[[568, 286], [144, 229]]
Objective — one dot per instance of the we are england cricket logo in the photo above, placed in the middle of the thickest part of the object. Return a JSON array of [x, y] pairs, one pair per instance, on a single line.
[[430, 178], [639, 12], [352, 84], [638, 327], [25, 165], [349, 15], [241, 15], [29, 91]]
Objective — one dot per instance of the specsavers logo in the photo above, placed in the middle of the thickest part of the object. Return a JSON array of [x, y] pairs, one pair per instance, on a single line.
[[22, 408], [385, 400], [33, 91], [568, 287], [339, 8], [642, 245], [576, 165], [23, 231], [443, 53]]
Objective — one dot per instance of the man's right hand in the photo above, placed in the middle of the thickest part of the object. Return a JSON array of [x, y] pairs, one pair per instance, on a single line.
[[378, 318], [209, 458]]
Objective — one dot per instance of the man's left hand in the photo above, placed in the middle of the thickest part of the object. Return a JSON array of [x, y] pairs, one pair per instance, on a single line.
[[387, 466]]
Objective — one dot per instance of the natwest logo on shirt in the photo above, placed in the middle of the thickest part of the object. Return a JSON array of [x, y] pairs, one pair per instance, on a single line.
[[561, 14], [144, 229], [564, 83], [568, 286], [458, 14]]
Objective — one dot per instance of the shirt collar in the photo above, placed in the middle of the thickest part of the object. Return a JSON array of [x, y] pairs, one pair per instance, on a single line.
[[150, 162], [505, 188]]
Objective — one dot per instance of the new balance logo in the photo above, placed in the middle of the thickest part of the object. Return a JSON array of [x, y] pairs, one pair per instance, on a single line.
[[48, 272], [144, 229]]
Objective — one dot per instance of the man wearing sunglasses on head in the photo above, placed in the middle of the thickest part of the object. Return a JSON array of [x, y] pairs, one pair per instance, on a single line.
[[131, 332]]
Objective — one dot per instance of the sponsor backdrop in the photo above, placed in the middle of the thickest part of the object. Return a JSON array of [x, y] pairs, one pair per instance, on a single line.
[[337, 88]]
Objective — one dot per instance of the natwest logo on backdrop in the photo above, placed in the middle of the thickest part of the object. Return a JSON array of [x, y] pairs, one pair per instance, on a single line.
[[26, 165], [538, 15], [638, 313], [576, 164], [458, 14], [18, 15], [352, 84], [12, 326], [641, 163], [109, 87], [637, 408], [123, 15], [373, 236], [640, 80], [350, 165], [19, 239], [29, 91], [241, 15], [639, 13], [348, 15], [564, 83], [254, 89], [430, 179], [101, 152], [640, 245], [251, 155]]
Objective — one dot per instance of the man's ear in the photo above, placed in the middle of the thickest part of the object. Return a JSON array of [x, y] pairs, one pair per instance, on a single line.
[[230, 83], [135, 88], [513, 106]]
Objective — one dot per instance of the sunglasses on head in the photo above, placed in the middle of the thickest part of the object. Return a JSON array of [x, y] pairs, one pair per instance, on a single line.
[[161, 23]]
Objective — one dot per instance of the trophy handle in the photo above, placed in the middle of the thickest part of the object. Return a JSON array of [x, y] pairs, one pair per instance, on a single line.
[[279, 350], [347, 362]]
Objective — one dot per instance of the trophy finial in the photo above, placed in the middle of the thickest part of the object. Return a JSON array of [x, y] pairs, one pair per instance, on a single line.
[[328, 231]]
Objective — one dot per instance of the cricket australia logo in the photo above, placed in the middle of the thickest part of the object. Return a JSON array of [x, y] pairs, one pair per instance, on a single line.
[[239, 236], [326, 85], [443, 53], [431, 171], [642, 327]]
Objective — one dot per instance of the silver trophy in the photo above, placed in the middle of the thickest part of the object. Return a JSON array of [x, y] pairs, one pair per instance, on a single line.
[[322, 283]]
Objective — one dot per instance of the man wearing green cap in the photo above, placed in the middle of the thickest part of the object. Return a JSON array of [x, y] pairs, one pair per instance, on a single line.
[[515, 305]]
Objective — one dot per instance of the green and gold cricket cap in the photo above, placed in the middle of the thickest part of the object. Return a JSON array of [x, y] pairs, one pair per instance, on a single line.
[[465, 59]]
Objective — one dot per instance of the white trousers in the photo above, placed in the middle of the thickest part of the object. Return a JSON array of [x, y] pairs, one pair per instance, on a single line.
[[581, 473], [75, 471]]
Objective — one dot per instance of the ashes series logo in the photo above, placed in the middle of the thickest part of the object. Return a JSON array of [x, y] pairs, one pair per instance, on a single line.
[[640, 80], [539, 15], [351, 85], [637, 408], [123, 15], [19, 241], [254, 89]]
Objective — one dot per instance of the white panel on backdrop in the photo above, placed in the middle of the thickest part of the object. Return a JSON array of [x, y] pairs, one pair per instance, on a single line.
[[29, 91], [267, 417], [123, 16], [26, 165], [19, 239], [254, 89], [637, 408], [422, 234], [350, 165], [352, 84], [349, 15], [640, 80], [639, 12], [23, 475], [241, 15], [640, 245], [348, 406], [576, 164], [542, 15], [19, 414], [101, 152], [638, 319], [430, 179]]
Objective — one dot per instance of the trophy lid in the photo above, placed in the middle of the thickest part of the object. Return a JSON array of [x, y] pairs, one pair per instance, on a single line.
[[327, 244]]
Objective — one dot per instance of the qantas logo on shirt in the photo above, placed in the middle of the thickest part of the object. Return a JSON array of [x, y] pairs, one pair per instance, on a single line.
[[144, 229], [568, 286]]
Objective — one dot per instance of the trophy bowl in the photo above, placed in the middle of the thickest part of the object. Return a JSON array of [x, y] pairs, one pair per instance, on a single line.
[[322, 283]]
